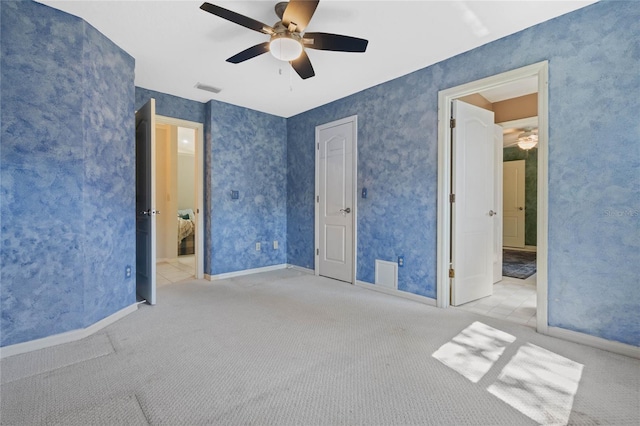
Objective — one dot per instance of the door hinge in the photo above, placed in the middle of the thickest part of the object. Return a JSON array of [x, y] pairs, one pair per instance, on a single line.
[[452, 198], [317, 198], [452, 273], [317, 251], [452, 123], [318, 146]]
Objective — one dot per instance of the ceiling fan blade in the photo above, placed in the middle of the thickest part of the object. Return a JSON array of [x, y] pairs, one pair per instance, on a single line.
[[303, 67], [236, 18], [249, 53], [335, 42], [299, 12]]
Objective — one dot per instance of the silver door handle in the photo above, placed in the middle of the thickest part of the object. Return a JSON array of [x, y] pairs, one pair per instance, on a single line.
[[347, 210], [492, 213], [146, 212]]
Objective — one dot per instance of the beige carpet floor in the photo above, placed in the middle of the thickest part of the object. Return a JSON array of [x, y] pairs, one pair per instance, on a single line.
[[286, 348]]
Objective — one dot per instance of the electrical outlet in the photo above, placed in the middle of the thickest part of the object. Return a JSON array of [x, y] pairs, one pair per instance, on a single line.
[[400, 261], [127, 271], [258, 247], [235, 195], [275, 244]]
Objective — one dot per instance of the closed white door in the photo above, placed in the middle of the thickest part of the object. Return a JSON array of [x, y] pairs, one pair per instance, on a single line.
[[497, 194], [473, 207], [513, 207], [145, 203], [335, 144]]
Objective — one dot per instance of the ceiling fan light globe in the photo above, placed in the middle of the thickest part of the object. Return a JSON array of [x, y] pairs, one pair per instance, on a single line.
[[528, 143], [285, 48]]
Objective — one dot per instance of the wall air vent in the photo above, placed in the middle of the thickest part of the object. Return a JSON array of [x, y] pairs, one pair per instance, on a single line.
[[208, 88]]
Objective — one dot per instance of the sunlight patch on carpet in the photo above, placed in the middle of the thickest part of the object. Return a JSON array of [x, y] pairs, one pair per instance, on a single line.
[[540, 384], [474, 350]]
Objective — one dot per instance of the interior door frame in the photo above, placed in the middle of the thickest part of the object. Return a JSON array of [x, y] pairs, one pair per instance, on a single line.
[[354, 209], [445, 98], [199, 189]]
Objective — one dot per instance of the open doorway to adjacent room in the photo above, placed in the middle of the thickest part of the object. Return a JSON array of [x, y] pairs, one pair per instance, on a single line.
[[518, 292], [515, 108], [179, 194]]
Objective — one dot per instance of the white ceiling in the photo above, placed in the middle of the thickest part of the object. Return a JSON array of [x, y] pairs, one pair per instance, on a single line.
[[176, 45]]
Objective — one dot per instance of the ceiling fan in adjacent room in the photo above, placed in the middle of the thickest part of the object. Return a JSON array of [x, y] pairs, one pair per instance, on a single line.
[[288, 40], [526, 140]]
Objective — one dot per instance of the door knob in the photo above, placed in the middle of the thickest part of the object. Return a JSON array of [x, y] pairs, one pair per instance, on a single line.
[[347, 210], [520, 208], [146, 212], [492, 213]]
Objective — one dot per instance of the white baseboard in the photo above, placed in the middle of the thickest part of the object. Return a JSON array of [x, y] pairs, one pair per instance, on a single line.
[[596, 342], [301, 269], [244, 272], [66, 337], [399, 293]]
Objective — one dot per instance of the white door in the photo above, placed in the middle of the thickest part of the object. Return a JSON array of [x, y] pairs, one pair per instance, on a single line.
[[335, 144], [145, 203], [497, 194], [473, 208], [513, 207]]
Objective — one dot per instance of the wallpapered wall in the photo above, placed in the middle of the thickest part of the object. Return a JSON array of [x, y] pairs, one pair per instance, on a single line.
[[248, 155], [530, 189], [67, 163], [594, 180]]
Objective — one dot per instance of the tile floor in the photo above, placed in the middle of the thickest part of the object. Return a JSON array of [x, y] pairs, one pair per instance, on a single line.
[[175, 270], [512, 300]]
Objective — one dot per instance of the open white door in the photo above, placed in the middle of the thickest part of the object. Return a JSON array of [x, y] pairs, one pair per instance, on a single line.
[[336, 146], [498, 138], [513, 211], [473, 208], [145, 203]]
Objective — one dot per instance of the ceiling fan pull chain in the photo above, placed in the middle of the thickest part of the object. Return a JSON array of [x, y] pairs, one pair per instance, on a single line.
[[290, 79]]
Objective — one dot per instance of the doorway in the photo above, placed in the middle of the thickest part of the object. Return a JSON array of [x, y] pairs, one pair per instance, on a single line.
[[335, 213], [445, 282], [178, 192]]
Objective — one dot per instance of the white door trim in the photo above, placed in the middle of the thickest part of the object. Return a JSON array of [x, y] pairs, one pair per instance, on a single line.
[[445, 97], [354, 209], [199, 236]]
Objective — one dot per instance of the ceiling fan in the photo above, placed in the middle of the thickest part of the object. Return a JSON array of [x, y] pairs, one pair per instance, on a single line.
[[288, 40], [526, 140]]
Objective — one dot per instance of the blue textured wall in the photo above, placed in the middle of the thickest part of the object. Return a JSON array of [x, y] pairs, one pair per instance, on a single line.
[[398, 167], [108, 194], [248, 154], [67, 163], [594, 178]]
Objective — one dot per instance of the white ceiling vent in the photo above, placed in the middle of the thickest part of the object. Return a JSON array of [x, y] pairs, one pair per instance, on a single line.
[[208, 88]]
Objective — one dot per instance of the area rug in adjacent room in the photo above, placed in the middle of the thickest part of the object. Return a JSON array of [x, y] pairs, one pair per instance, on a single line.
[[518, 264]]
